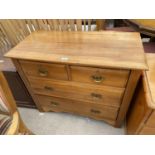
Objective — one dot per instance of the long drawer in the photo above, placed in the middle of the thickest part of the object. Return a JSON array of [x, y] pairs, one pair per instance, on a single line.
[[82, 108], [44, 70], [83, 92], [109, 77]]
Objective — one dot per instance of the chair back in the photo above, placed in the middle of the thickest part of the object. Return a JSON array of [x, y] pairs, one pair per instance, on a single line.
[[12, 31], [10, 120]]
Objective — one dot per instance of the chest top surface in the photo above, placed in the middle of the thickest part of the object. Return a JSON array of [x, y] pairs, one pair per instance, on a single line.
[[103, 49]]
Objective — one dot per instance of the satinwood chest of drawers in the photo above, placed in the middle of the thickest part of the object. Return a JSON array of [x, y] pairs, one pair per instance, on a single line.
[[93, 74]]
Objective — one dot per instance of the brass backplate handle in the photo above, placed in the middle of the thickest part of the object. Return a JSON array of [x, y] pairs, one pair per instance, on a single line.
[[95, 111], [43, 72], [48, 88], [99, 96], [54, 103], [97, 78]]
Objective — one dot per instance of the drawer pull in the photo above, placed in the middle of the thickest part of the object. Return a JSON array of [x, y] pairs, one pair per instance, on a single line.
[[95, 111], [99, 96], [97, 79], [54, 103], [43, 72], [48, 88]]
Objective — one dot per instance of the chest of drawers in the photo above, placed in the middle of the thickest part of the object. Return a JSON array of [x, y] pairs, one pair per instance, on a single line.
[[93, 74], [141, 116]]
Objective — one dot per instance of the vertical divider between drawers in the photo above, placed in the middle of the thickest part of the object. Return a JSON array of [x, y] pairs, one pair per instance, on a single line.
[[68, 69]]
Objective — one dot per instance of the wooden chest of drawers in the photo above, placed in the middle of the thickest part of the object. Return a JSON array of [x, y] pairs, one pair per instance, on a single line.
[[141, 116], [88, 73]]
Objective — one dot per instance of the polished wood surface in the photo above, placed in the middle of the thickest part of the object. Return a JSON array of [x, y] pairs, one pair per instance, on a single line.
[[97, 111], [151, 121], [147, 131], [104, 95], [99, 76], [145, 26], [50, 103], [104, 49], [14, 127], [139, 110], [129, 91], [44, 70], [141, 117], [118, 56], [150, 77], [13, 31]]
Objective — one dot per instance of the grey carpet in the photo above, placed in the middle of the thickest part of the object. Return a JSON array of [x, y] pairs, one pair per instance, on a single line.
[[51, 123]]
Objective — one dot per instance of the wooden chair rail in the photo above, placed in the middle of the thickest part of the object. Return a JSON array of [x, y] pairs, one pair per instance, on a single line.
[[14, 127], [12, 31]]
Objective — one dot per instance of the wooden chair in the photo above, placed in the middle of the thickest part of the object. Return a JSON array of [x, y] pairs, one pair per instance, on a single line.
[[11, 121]]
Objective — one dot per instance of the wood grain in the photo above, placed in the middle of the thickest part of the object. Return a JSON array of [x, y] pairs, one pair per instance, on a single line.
[[147, 131], [14, 127], [150, 79], [87, 48], [44, 70], [151, 121], [103, 95], [139, 110], [132, 82], [110, 77], [82, 108], [120, 55], [141, 117], [12, 31]]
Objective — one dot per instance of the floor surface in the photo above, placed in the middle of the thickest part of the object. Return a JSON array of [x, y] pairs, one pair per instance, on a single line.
[[51, 123]]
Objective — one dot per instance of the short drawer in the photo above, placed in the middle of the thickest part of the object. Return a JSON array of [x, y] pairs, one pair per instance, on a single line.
[[49, 103], [104, 95], [109, 77], [44, 70]]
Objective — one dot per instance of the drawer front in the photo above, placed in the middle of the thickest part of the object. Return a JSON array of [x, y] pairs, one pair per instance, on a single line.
[[147, 131], [82, 108], [49, 103], [83, 92], [101, 112], [44, 70], [109, 77], [151, 121]]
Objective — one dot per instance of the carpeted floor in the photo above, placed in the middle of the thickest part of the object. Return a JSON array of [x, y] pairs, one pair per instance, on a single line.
[[65, 124]]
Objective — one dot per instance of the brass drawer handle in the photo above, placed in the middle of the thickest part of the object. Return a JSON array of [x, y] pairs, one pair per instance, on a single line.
[[43, 72], [97, 79], [99, 96], [54, 103], [48, 88], [95, 111]]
